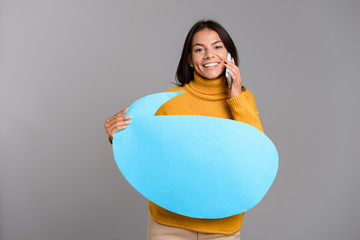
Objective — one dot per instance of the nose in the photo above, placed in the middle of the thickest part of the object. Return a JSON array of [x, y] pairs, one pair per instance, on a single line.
[[209, 54]]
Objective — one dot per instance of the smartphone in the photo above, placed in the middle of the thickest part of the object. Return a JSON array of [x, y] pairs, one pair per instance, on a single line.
[[228, 77]]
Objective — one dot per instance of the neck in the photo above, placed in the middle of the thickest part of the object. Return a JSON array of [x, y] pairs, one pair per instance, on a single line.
[[214, 88]]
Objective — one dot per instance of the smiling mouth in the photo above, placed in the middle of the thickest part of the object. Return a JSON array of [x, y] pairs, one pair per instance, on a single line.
[[209, 65]]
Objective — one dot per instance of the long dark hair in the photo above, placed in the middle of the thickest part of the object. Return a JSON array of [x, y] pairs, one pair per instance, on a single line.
[[185, 73]]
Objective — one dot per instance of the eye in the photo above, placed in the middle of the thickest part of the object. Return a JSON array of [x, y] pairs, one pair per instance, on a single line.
[[198, 49], [218, 47]]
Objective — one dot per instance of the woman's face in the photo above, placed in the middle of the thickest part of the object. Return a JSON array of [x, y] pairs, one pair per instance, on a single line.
[[208, 54]]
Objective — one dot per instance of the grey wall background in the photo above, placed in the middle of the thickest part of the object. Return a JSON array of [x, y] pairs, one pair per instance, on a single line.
[[68, 65]]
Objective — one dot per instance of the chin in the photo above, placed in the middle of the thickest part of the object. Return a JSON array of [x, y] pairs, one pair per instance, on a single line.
[[212, 76]]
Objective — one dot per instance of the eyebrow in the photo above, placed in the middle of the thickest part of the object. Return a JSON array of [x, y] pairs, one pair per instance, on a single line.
[[199, 44]]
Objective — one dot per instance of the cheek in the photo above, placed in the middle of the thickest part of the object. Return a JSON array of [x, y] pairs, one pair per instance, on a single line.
[[224, 55], [197, 60]]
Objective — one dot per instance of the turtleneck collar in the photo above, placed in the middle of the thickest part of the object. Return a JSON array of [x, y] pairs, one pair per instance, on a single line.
[[214, 89]]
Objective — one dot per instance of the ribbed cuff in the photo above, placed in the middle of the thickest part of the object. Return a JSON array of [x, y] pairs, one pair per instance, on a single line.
[[238, 101]]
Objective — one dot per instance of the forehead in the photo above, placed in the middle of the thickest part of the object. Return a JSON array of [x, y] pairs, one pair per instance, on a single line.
[[205, 36]]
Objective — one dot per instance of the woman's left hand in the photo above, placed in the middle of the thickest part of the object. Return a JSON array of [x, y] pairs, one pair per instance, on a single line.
[[234, 71]]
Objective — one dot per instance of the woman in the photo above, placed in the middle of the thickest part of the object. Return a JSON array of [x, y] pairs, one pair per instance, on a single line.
[[201, 72]]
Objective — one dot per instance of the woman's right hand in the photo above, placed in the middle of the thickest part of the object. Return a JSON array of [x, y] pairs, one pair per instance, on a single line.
[[117, 122]]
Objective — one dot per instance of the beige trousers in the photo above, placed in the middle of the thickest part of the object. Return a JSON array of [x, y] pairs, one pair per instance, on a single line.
[[157, 231]]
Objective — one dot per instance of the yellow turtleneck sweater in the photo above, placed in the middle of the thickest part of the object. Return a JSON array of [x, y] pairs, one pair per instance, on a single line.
[[207, 98]]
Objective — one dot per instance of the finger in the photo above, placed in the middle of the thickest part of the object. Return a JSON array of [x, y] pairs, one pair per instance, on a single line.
[[116, 129], [235, 77], [121, 117], [109, 124], [114, 121], [231, 64], [232, 74], [233, 61], [122, 112], [117, 117], [232, 69], [123, 121]]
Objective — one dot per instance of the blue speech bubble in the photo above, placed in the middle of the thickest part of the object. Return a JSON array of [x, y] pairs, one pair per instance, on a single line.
[[196, 166]]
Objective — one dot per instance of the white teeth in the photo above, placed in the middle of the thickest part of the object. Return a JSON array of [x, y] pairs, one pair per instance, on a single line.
[[211, 64]]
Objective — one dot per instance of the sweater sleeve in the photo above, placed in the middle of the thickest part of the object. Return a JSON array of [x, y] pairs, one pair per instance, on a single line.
[[243, 109]]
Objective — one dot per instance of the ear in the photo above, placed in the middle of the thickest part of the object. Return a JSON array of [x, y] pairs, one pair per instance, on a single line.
[[190, 60]]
